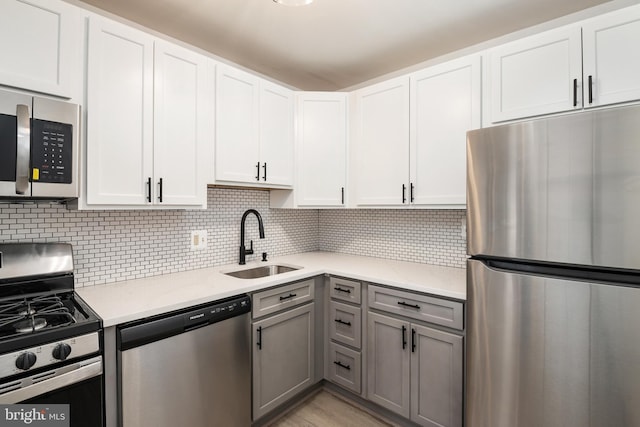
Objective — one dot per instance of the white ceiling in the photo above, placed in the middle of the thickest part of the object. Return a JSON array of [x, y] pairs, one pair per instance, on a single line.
[[334, 44]]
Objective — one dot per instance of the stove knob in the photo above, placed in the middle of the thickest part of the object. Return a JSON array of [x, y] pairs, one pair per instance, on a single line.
[[26, 360], [61, 351]]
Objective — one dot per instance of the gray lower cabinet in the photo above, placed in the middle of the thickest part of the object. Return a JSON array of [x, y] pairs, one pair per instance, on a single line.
[[283, 357], [415, 371], [389, 363]]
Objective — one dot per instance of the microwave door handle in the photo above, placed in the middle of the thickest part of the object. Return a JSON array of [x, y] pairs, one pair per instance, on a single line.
[[24, 149]]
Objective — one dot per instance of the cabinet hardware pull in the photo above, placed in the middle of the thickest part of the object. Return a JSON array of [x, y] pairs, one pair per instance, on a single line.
[[342, 322], [149, 189], [258, 171], [347, 367], [259, 343], [265, 170], [287, 297], [404, 337], [342, 195], [339, 289], [160, 195], [23, 148], [575, 92], [404, 191], [404, 304], [590, 89], [413, 340], [411, 193]]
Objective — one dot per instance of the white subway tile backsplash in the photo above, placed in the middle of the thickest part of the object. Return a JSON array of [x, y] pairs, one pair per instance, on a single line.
[[424, 236], [112, 246]]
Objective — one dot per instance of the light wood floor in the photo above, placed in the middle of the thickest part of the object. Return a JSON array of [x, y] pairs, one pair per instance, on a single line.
[[327, 410]]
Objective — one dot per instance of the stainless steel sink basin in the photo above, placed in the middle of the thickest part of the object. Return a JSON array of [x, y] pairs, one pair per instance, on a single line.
[[263, 271]]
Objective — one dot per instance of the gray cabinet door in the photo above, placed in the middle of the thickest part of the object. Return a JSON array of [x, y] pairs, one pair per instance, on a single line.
[[436, 377], [388, 365], [282, 357]]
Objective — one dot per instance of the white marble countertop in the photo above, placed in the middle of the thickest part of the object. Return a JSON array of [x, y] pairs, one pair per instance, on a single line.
[[135, 299]]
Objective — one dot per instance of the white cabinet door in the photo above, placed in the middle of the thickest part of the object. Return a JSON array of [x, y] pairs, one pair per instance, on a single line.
[[120, 114], [322, 148], [237, 126], [382, 150], [445, 104], [536, 75], [276, 134], [612, 57], [42, 45], [182, 88]]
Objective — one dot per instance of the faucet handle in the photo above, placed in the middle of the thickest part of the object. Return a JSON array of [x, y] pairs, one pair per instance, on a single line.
[[250, 250]]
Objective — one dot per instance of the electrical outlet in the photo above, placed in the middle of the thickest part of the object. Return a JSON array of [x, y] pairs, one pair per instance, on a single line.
[[198, 240], [463, 228]]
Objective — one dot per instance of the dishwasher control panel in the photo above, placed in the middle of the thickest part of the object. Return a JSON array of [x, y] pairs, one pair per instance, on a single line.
[[217, 311], [145, 331]]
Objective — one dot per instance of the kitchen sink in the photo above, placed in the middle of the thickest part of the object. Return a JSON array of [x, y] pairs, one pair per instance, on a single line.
[[263, 271]]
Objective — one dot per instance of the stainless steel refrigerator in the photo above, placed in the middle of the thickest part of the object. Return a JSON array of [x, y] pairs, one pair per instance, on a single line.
[[553, 291]]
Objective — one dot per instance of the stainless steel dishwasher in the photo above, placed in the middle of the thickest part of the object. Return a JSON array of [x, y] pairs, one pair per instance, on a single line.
[[187, 368]]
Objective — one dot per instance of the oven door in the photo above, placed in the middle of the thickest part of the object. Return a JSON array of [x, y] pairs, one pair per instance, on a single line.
[[15, 144], [79, 385]]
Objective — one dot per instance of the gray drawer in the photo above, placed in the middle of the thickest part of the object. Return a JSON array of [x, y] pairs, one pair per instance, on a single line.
[[345, 323], [345, 290], [344, 367], [282, 297], [417, 306]]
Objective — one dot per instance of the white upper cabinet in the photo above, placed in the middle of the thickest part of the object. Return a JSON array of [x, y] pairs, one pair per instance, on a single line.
[[42, 47], [588, 64], [119, 114], [445, 104], [276, 134], [612, 57], [321, 144], [183, 98], [254, 130], [536, 75], [381, 156], [237, 140], [411, 136], [147, 125]]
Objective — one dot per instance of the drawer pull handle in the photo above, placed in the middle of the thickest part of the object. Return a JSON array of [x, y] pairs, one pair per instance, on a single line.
[[342, 322], [339, 289], [347, 367], [404, 304], [259, 343], [286, 297]]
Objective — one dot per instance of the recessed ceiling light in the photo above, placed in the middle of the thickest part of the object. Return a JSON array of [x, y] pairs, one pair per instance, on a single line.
[[293, 2]]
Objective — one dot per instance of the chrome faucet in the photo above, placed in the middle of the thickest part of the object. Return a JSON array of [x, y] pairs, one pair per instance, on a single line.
[[243, 250]]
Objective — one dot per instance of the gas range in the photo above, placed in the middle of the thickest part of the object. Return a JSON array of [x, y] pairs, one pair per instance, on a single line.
[[50, 339]]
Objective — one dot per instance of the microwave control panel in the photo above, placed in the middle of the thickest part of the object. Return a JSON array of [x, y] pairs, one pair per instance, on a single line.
[[51, 152]]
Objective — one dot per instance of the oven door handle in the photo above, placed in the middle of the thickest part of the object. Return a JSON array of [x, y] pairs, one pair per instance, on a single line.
[[81, 371]]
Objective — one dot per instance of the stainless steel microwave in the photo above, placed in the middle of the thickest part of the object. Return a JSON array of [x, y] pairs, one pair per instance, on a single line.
[[39, 141]]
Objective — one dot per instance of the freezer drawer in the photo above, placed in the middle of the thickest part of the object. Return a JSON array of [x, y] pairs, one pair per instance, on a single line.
[[548, 351]]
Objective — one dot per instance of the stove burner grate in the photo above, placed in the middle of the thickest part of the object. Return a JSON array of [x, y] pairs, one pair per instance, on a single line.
[[27, 315]]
